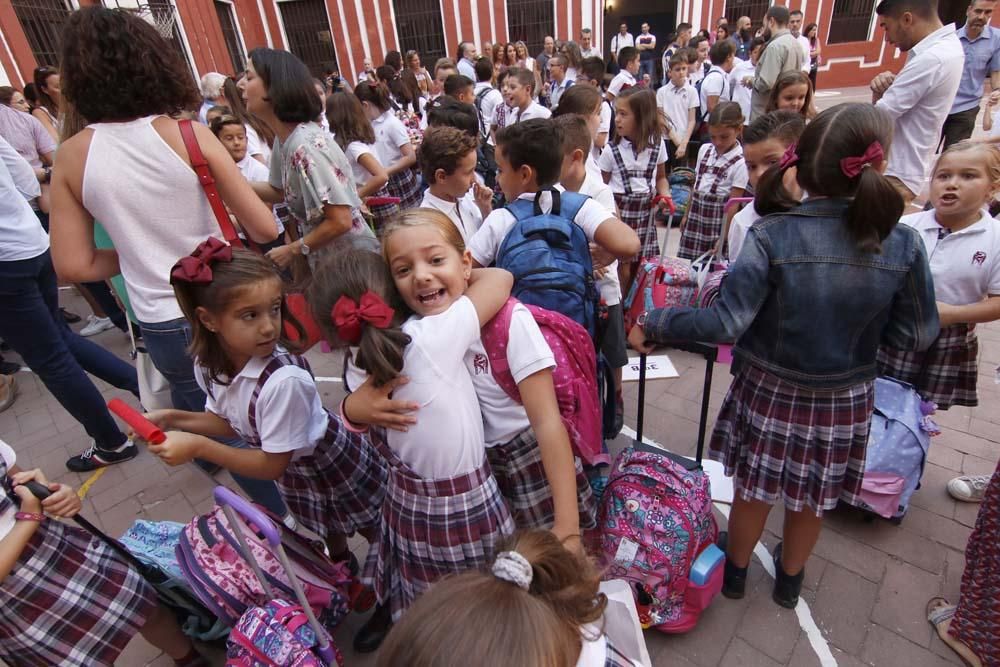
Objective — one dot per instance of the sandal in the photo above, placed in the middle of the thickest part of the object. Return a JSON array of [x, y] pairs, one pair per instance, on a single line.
[[939, 614]]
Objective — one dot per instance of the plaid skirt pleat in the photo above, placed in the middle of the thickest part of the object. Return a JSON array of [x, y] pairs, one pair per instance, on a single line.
[[977, 618], [781, 441], [944, 373], [403, 184], [382, 214], [635, 211], [432, 528], [701, 232], [517, 467], [340, 487], [70, 601]]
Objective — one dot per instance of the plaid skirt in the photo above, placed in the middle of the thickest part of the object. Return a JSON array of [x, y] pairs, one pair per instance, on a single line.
[[783, 441], [977, 618], [701, 232], [432, 528], [382, 214], [944, 373], [403, 184], [70, 601], [635, 210], [517, 466], [340, 487]]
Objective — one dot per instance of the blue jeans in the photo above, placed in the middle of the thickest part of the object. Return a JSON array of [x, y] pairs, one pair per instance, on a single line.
[[32, 325], [167, 345], [647, 67]]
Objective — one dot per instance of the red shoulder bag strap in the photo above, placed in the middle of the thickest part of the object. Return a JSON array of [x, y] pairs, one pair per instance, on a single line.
[[200, 166]]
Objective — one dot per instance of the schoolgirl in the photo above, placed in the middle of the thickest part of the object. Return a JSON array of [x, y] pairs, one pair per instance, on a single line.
[[589, 103], [66, 598], [443, 511], [354, 134], [392, 143], [792, 91], [963, 242], [816, 289], [332, 480], [722, 175]]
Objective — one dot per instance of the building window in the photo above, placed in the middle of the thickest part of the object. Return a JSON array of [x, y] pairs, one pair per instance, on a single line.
[[851, 21], [42, 22], [419, 28], [231, 36], [164, 16], [755, 9], [309, 37], [530, 21]]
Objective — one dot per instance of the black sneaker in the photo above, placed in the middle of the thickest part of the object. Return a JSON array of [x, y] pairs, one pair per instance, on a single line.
[[9, 367], [71, 318], [94, 458]]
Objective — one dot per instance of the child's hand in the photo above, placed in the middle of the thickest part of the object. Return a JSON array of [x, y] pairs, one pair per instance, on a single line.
[[681, 150], [993, 99], [483, 197], [637, 339], [372, 405], [161, 418], [62, 502], [178, 448]]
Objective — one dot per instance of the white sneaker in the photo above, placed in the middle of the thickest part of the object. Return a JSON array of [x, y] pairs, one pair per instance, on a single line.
[[969, 488], [96, 325]]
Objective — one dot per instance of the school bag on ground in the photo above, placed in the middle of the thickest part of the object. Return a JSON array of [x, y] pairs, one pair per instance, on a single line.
[[681, 181], [574, 376], [657, 530], [898, 443], [549, 256]]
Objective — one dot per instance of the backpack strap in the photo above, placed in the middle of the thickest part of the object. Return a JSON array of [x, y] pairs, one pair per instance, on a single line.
[[495, 335], [480, 96], [278, 361]]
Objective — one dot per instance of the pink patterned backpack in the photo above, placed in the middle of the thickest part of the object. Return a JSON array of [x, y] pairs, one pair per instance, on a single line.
[[574, 377], [275, 635], [667, 282]]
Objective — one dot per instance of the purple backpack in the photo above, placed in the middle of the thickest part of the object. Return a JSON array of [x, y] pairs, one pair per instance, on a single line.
[[275, 635], [655, 520]]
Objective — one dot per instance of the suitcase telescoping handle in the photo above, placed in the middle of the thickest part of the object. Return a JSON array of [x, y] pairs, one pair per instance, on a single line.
[[238, 509]]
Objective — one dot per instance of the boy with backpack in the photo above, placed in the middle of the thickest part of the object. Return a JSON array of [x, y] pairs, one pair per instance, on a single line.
[[487, 98]]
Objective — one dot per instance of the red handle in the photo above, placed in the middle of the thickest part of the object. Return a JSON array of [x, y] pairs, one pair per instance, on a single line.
[[143, 428], [670, 202]]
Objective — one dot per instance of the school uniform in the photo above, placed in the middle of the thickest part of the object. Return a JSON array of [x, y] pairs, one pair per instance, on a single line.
[[443, 512], [596, 649], [624, 79], [715, 84], [604, 127], [335, 482], [633, 182], [740, 93], [533, 110], [70, 600], [253, 170], [382, 213], [463, 212], [739, 227], [966, 268], [717, 175], [676, 103], [390, 134]]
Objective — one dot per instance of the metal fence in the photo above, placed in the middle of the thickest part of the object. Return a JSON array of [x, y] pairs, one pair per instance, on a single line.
[[308, 29], [755, 9], [42, 21], [851, 21], [419, 27], [529, 21]]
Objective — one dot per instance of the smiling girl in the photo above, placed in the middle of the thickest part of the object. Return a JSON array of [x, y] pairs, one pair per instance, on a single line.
[[792, 91]]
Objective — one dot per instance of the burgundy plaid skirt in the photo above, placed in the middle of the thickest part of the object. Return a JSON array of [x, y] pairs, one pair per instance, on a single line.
[[944, 373], [339, 488], [432, 528], [781, 441], [70, 601], [382, 214], [977, 618], [403, 184], [517, 466], [706, 214], [635, 211]]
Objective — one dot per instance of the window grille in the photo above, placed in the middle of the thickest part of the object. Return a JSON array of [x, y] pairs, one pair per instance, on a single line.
[[419, 27], [530, 21], [851, 21], [42, 22], [161, 9], [231, 36], [309, 37], [755, 9]]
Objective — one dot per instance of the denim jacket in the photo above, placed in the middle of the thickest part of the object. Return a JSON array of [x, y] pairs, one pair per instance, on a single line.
[[802, 303]]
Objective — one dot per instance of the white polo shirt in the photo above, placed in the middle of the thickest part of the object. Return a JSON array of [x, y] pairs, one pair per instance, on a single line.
[[715, 83], [489, 102], [741, 94], [739, 227], [965, 264], [604, 127], [806, 50], [632, 162], [676, 102], [609, 286], [623, 79], [533, 110], [919, 100], [463, 213]]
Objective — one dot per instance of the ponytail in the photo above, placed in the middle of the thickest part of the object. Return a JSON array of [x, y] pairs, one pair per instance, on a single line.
[[876, 208]]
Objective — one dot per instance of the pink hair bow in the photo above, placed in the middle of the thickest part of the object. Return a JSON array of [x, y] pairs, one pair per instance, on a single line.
[[197, 267], [873, 156], [790, 158]]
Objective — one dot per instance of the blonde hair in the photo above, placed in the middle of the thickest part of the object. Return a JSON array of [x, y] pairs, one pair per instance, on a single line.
[[989, 154], [416, 217]]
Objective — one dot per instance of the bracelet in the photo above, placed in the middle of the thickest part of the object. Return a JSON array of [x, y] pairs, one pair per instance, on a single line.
[[347, 422], [29, 516]]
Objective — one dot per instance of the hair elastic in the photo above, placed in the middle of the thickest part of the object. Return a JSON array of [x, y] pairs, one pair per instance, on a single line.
[[853, 166], [514, 568], [197, 267], [349, 316]]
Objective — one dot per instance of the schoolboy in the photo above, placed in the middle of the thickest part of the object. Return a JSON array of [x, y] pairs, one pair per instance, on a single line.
[[628, 61], [459, 87], [679, 102], [519, 94], [447, 158], [715, 85]]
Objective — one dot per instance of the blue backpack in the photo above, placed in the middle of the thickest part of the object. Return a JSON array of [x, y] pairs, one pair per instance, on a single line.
[[549, 256]]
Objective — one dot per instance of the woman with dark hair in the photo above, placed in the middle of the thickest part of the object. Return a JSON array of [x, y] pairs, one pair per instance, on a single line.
[[260, 137], [811, 33], [420, 73], [722, 33], [309, 171], [10, 97], [48, 95], [574, 59], [126, 164], [394, 60]]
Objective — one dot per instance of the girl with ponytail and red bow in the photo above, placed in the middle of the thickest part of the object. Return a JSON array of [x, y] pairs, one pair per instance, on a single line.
[[817, 288], [331, 478]]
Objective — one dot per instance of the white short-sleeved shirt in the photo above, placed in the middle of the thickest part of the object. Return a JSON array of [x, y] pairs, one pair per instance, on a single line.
[[533, 110], [290, 414], [488, 102], [7, 520], [464, 212], [676, 102], [715, 83], [623, 79], [487, 240], [631, 161], [354, 151], [965, 264], [253, 170], [390, 134], [603, 127], [739, 227], [609, 286], [527, 353], [21, 237], [735, 177], [696, 73], [995, 130], [447, 440], [740, 93], [806, 51], [257, 146]]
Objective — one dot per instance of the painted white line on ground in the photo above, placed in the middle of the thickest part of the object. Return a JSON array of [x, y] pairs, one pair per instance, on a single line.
[[323, 378], [815, 636]]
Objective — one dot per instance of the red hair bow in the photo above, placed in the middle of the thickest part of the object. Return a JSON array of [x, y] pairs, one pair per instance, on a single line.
[[873, 156], [790, 158], [349, 316], [197, 267]]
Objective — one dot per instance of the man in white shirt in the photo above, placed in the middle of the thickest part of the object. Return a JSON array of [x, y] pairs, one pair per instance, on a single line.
[[622, 39], [919, 97], [795, 27], [466, 56], [368, 73], [646, 43], [587, 48]]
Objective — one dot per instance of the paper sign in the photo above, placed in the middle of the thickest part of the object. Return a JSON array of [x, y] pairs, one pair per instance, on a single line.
[[627, 550], [657, 367]]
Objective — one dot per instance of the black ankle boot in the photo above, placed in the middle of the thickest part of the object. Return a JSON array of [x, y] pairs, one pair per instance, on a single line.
[[786, 587], [373, 633], [734, 581]]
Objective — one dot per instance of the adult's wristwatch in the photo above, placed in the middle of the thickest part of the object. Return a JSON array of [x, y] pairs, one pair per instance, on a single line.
[[303, 248], [641, 320]]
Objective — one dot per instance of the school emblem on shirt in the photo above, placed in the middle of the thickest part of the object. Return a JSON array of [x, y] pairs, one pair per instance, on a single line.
[[979, 258], [482, 364]]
